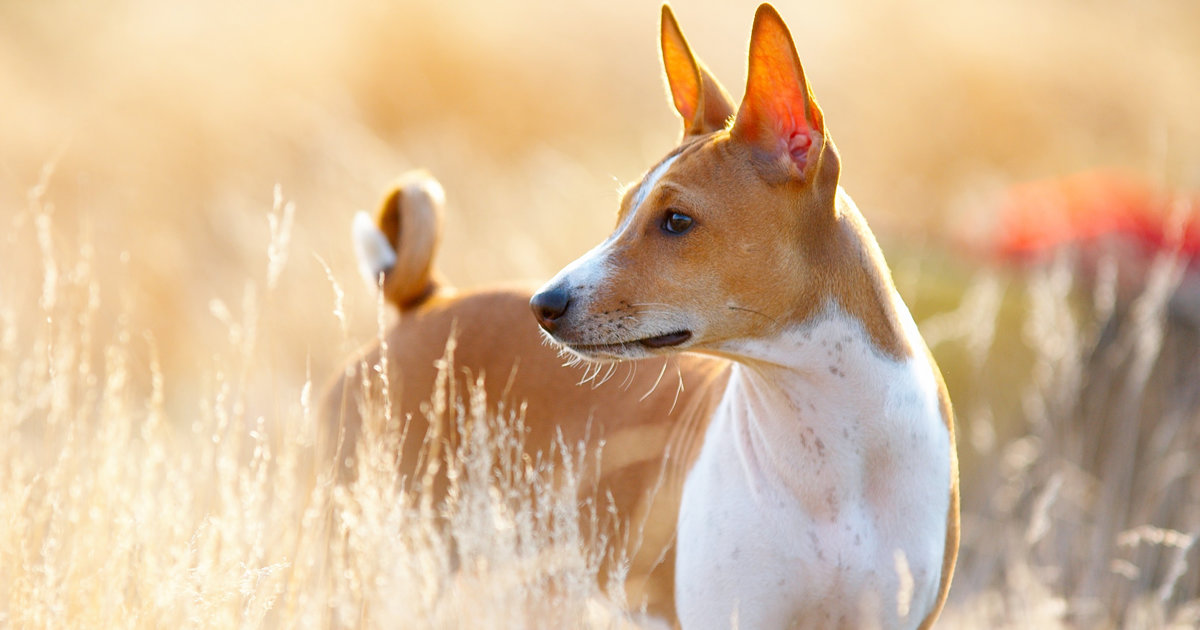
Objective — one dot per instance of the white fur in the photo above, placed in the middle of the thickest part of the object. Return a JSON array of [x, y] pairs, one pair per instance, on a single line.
[[825, 464], [586, 272], [648, 184], [375, 254]]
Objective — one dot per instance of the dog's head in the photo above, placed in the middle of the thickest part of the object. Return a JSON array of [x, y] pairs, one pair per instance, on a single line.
[[729, 237]]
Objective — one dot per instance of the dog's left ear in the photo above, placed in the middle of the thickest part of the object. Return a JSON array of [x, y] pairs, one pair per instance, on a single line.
[[779, 115], [704, 105]]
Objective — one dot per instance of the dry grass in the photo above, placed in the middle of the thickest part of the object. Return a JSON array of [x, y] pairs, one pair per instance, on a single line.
[[119, 516], [157, 370], [1086, 515]]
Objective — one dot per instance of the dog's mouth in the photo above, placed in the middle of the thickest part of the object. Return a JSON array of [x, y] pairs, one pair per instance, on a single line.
[[656, 342], [668, 340]]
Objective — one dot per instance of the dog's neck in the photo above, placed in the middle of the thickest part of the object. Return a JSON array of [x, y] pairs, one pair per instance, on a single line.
[[820, 429], [808, 407]]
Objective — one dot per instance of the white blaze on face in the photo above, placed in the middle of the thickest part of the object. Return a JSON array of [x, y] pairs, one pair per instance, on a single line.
[[648, 185], [590, 269]]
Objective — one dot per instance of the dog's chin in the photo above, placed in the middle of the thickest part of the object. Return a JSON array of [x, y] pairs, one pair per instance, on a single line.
[[620, 350]]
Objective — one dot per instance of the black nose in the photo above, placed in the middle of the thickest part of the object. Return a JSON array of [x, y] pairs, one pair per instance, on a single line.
[[550, 305]]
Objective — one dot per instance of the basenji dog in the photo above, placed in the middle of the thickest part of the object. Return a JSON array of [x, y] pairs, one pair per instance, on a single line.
[[803, 472]]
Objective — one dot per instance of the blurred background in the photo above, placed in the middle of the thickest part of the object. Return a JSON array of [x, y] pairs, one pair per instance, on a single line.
[[168, 124], [142, 142]]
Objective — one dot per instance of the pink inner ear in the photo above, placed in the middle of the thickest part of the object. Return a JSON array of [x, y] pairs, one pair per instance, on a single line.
[[792, 131], [774, 111], [798, 145]]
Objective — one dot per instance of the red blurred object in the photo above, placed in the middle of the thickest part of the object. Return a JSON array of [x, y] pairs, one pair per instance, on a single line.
[[1037, 218]]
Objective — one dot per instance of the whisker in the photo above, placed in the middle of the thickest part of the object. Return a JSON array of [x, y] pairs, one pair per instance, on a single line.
[[678, 390], [656, 382], [750, 310], [629, 376], [612, 368], [590, 372], [593, 373], [644, 313], [587, 369]]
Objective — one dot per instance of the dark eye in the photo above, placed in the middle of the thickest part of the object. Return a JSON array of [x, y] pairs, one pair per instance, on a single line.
[[676, 223]]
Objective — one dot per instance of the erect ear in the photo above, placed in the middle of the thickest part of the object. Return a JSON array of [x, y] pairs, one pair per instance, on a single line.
[[778, 115], [704, 105]]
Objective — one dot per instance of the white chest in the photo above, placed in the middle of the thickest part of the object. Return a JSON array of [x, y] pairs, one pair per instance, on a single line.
[[820, 496]]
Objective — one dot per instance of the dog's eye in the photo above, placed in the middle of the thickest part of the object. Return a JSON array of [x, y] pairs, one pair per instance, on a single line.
[[676, 223]]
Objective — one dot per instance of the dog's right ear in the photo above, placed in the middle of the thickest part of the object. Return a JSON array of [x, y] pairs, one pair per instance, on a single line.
[[704, 105]]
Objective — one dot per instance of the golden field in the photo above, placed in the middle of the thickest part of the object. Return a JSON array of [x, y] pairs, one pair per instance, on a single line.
[[177, 282]]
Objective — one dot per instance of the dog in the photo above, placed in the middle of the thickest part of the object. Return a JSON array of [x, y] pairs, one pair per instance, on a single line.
[[804, 472]]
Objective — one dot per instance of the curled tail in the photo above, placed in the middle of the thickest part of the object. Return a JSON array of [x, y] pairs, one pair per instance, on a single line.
[[400, 241]]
